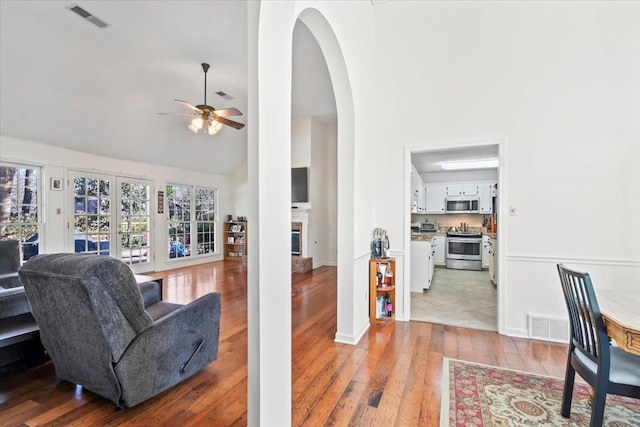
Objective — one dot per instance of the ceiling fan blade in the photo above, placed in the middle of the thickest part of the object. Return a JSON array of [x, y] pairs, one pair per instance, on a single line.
[[228, 112], [228, 122], [179, 114], [193, 107]]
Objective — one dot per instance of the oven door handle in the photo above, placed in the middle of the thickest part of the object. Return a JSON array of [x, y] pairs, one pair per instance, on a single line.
[[464, 240]]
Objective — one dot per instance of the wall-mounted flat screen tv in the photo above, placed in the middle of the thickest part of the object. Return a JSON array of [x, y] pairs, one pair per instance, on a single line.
[[299, 185]]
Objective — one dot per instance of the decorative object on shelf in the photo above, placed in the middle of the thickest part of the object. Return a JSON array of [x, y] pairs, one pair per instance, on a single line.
[[208, 119], [382, 292], [380, 244]]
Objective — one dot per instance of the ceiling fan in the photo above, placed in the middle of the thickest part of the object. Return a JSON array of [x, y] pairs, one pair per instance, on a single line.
[[207, 118]]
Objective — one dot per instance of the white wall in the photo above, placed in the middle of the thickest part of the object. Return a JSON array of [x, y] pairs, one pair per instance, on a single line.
[[56, 162], [559, 82], [313, 145], [239, 190]]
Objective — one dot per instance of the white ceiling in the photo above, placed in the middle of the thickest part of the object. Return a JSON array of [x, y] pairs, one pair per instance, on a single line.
[[429, 162], [68, 83]]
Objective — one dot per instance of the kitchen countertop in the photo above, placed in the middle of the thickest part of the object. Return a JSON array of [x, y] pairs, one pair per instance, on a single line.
[[424, 235]]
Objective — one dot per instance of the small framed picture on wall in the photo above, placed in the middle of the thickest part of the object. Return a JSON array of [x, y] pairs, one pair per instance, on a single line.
[[56, 184], [160, 201]]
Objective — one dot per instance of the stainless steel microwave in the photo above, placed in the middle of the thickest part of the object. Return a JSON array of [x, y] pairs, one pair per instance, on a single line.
[[461, 204]]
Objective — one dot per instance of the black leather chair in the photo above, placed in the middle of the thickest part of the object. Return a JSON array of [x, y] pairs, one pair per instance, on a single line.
[[608, 369]]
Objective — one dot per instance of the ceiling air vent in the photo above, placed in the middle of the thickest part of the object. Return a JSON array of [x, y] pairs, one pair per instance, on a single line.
[[224, 95], [88, 16]]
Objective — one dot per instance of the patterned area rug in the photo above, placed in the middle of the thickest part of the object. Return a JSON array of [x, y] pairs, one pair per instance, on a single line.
[[481, 395]]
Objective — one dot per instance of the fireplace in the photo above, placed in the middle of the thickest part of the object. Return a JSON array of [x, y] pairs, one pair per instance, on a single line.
[[296, 239], [300, 263]]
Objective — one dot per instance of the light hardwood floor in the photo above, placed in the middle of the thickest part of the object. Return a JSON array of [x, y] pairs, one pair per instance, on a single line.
[[392, 377]]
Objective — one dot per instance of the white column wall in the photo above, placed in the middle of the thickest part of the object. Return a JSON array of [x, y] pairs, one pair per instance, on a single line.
[[559, 83], [351, 38]]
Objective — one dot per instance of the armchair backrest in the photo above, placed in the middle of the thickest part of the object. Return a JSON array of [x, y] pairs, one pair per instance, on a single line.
[[588, 333], [87, 306]]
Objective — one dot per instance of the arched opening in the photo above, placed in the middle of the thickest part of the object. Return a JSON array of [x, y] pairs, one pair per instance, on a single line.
[[324, 35], [269, 164]]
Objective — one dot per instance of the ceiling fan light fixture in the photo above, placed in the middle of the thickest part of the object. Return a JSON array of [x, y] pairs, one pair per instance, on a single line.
[[214, 127], [193, 129], [197, 122]]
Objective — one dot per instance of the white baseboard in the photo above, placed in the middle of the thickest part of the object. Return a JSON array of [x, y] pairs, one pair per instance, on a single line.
[[351, 339]]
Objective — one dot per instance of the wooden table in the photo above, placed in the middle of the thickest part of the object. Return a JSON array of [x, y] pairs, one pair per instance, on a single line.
[[621, 314]]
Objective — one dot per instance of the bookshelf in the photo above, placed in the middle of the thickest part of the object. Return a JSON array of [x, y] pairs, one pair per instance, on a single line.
[[235, 241], [382, 284]]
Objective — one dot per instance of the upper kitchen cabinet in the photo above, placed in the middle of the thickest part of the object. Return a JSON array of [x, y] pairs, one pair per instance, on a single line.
[[485, 205], [462, 189], [418, 199], [435, 198]]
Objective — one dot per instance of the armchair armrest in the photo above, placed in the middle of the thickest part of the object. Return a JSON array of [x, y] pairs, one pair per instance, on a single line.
[[177, 346], [151, 293]]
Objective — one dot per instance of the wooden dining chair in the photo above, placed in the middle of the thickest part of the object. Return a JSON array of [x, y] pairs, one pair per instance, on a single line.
[[608, 369]]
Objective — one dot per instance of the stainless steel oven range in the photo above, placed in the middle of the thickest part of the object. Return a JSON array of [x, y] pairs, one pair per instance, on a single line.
[[464, 250]]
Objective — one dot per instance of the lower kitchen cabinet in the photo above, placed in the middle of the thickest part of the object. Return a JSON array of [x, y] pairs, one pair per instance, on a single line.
[[486, 253], [438, 244], [421, 265], [493, 259]]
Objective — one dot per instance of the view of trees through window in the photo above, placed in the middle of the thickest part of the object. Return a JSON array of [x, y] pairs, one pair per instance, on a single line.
[[92, 214], [182, 201], [19, 207]]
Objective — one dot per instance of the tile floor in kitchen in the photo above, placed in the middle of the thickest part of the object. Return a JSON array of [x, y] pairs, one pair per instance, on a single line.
[[459, 298]]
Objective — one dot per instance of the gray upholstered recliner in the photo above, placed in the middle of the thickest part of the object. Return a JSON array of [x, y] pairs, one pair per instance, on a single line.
[[102, 333]]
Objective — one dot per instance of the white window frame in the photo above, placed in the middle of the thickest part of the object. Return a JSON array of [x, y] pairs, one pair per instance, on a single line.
[[193, 223], [39, 211]]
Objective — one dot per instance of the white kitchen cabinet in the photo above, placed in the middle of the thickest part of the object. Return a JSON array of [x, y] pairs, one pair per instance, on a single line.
[[435, 198], [485, 205], [438, 244], [421, 260], [486, 250], [493, 260], [414, 189], [432, 265], [421, 198], [418, 198], [463, 189]]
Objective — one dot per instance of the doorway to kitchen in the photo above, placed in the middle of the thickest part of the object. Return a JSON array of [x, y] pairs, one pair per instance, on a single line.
[[452, 228]]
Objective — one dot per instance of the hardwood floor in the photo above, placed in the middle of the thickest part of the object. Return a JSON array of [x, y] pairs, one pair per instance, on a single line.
[[392, 377]]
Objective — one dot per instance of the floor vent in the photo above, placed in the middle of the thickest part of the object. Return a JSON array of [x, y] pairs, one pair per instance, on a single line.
[[87, 16], [548, 328]]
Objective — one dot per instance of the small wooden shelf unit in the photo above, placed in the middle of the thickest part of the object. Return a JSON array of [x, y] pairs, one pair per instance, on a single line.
[[235, 241], [385, 289]]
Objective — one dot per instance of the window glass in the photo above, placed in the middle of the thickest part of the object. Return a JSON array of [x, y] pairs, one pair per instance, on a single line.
[[19, 219], [192, 220]]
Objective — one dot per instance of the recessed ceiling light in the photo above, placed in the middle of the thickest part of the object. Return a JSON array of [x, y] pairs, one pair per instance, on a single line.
[[470, 164]]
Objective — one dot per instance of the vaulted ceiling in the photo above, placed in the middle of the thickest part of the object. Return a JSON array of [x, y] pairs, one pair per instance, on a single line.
[[71, 84]]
